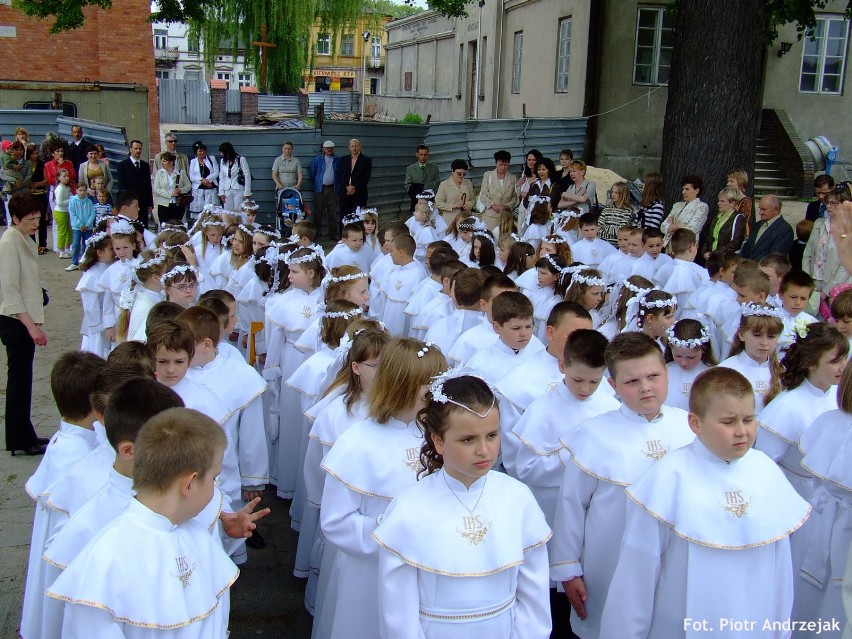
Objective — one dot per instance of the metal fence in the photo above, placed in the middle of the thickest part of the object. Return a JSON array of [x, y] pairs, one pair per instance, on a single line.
[[285, 103], [233, 102], [37, 123], [185, 101], [334, 101]]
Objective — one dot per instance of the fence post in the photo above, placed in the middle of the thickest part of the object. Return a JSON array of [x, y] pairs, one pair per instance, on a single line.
[[248, 104], [218, 95]]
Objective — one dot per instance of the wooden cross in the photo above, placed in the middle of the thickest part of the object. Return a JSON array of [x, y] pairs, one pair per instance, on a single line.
[[263, 46]]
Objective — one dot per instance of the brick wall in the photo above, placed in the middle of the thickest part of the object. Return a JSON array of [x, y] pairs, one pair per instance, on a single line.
[[113, 45]]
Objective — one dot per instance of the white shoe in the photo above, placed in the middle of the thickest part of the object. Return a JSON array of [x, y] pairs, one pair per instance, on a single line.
[[64, 255], [72, 267]]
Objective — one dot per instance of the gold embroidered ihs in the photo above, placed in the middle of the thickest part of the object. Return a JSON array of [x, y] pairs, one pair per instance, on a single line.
[[413, 459], [184, 570], [122, 278], [655, 449], [307, 311], [474, 530], [735, 503], [398, 285]]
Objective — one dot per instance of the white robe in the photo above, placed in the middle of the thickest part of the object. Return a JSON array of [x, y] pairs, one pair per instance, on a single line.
[[758, 375], [447, 330], [682, 279], [782, 424], [379, 270], [143, 573], [142, 305], [397, 287], [472, 340], [648, 267], [342, 255], [115, 279], [426, 290], [287, 316], [680, 384], [434, 310], [368, 466], [97, 305], [67, 447], [592, 252], [495, 361], [821, 547], [608, 263], [205, 264], [543, 300], [220, 270], [449, 572], [705, 540], [608, 452]]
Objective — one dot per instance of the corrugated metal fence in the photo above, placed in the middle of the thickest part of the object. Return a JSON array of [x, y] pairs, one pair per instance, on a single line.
[[114, 138], [185, 101], [285, 103], [334, 101], [37, 123]]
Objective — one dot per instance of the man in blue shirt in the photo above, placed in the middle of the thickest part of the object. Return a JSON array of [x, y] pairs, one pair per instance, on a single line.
[[323, 169]]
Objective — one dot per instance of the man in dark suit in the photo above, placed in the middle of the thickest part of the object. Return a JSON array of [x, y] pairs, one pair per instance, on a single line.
[[78, 147], [823, 184], [354, 174], [134, 174], [772, 234]]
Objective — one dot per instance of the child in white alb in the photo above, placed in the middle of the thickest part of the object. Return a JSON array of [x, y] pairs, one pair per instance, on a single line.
[[683, 276], [688, 353], [424, 229], [209, 249], [399, 284], [441, 304], [653, 259], [137, 300], [465, 291], [350, 249], [96, 302], [607, 264], [436, 257], [455, 561], [118, 276], [795, 291], [590, 249], [552, 280]]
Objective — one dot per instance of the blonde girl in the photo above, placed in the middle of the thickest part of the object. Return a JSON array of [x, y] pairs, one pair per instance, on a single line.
[[371, 225], [504, 245], [812, 368], [61, 200], [753, 351], [97, 303], [212, 232], [145, 291], [118, 275], [688, 353], [462, 529], [616, 215], [238, 238], [369, 464], [458, 232], [588, 289], [505, 221]]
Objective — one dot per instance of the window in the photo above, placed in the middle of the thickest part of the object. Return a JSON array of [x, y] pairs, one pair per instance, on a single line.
[[162, 75], [69, 109], [374, 86], [324, 44], [376, 47], [408, 82], [192, 45], [824, 57], [516, 61], [193, 76], [654, 35], [161, 39], [244, 80], [222, 75], [347, 44], [563, 55]]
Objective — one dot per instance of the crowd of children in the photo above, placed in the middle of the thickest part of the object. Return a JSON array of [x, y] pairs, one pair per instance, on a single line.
[[480, 432]]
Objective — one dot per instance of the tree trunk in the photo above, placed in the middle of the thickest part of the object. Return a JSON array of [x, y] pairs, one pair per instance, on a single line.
[[715, 94]]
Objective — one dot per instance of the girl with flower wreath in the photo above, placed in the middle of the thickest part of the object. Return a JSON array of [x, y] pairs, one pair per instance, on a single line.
[[688, 353], [137, 300]]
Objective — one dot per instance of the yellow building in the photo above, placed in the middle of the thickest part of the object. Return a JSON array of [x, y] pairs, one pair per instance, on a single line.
[[343, 61]]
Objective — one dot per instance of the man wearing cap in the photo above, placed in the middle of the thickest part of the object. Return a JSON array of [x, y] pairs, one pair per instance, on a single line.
[[181, 161], [324, 167]]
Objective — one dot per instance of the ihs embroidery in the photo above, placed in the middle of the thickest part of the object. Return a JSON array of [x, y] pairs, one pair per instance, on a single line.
[[655, 449], [123, 278], [474, 530], [552, 387], [760, 386], [595, 252], [184, 570], [413, 459], [687, 386], [735, 503], [398, 285], [307, 311]]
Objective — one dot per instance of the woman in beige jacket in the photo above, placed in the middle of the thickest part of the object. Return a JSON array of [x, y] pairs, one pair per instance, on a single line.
[[21, 317]]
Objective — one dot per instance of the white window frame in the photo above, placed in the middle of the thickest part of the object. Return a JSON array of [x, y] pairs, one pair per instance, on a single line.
[[563, 55], [820, 43], [376, 47], [244, 80], [224, 75], [324, 44], [347, 44], [517, 54], [162, 74], [657, 45], [161, 39]]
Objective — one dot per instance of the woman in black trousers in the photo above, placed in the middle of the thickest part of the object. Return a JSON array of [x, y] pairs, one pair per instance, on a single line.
[[21, 317]]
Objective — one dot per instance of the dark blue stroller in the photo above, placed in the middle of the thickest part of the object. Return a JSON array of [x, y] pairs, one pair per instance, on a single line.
[[290, 208]]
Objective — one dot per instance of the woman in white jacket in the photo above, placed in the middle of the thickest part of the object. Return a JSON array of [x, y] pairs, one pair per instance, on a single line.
[[234, 178], [204, 176], [821, 259]]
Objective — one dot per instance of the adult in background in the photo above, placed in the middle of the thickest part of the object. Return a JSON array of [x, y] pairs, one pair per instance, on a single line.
[[51, 168], [581, 195], [181, 161], [563, 173], [234, 177], [420, 176], [287, 170], [455, 194], [324, 170], [22, 136], [497, 190], [821, 260], [354, 173], [38, 187], [690, 213], [841, 233], [78, 148], [204, 176], [94, 167], [545, 184], [134, 175], [169, 184], [773, 234], [823, 185], [528, 175], [21, 318]]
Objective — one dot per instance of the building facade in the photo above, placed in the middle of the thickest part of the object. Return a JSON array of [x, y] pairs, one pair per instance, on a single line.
[[603, 59]]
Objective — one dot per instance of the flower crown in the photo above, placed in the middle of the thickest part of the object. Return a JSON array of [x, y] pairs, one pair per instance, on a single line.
[[750, 309], [695, 342], [248, 230], [165, 226], [138, 263], [535, 199], [588, 280], [355, 312], [426, 194], [180, 269], [271, 256], [310, 257], [483, 233], [249, 205], [97, 237], [170, 247], [555, 238], [635, 289], [670, 300], [436, 388], [335, 279], [208, 223], [268, 232], [469, 226], [122, 227]]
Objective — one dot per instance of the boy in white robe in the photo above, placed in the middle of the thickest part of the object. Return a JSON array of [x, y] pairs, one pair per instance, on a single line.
[[795, 291], [653, 259], [512, 321], [622, 267], [72, 381], [609, 452], [590, 249], [440, 305], [155, 552], [350, 251], [399, 283], [607, 264], [683, 276], [240, 388], [465, 291], [380, 267], [481, 335], [706, 541], [430, 287]]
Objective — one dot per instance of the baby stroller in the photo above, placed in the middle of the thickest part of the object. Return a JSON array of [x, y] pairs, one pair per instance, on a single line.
[[290, 208]]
